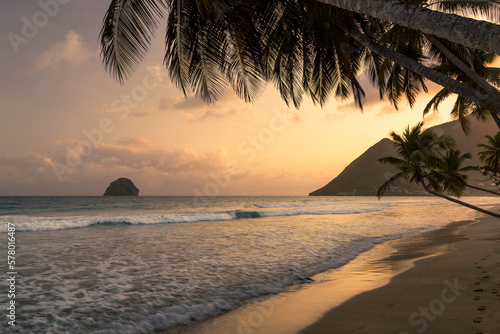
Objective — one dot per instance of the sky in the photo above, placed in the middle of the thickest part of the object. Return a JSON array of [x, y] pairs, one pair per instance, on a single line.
[[68, 128]]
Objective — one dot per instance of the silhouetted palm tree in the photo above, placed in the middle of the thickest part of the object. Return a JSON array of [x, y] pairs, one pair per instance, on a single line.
[[449, 171], [461, 63], [490, 156], [477, 74], [213, 44], [470, 93], [431, 19], [418, 158], [304, 46]]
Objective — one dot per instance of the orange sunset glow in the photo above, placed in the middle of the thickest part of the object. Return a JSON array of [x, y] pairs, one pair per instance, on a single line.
[[154, 180], [56, 94]]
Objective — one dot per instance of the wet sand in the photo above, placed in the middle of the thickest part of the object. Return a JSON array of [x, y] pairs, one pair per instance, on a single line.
[[442, 281], [454, 292]]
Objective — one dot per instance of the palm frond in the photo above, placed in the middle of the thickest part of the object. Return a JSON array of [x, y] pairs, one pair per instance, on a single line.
[[490, 155], [460, 111], [245, 69], [448, 172], [434, 103], [396, 162], [125, 37], [493, 75], [394, 180], [471, 8]]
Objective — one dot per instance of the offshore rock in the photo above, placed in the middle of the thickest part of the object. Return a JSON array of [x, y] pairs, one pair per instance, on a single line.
[[122, 187]]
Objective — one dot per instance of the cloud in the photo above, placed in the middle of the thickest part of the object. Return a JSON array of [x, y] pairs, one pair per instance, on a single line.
[[194, 109], [335, 117], [25, 168], [158, 170], [372, 95], [432, 118], [221, 115], [135, 141], [138, 153], [181, 103], [276, 181], [196, 103], [155, 169], [140, 114], [386, 109], [72, 51], [372, 102], [189, 103]]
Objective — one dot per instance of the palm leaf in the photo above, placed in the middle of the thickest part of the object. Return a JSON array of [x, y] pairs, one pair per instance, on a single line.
[[394, 180], [493, 75], [471, 8], [434, 103], [126, 34], [178, 41], [460, 110], [245, 69], [206, 78]]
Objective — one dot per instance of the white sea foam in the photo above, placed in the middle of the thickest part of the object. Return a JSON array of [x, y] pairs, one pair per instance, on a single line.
[[42, 223], [139, 280]]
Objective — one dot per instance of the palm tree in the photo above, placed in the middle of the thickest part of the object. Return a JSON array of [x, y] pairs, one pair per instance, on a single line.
[[477, 74], [449, 172], [461, 63], [209, 44], [418, 156], [417, 150], [473, 62], [490, 156], [458, 29], [308, 51], [213, 44], [449, 83]]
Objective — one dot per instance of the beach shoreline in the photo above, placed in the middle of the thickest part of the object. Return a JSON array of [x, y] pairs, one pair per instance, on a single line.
[[456, 291], [309, 308]]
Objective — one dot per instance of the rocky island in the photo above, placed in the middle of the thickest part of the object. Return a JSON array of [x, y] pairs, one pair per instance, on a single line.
[[122, 187]]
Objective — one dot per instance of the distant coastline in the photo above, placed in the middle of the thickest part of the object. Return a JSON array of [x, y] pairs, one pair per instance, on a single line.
[[364, 175]]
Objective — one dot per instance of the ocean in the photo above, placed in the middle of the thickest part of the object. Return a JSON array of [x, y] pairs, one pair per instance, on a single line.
[[144, 264]]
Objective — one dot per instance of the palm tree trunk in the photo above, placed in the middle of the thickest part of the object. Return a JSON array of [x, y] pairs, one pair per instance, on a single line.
[[452, 85], [488, 88], [496, 118], [476, 34], [482, 189], [470, 206], [464, 67]]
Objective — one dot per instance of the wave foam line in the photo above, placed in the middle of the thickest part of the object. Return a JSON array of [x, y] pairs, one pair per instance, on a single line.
[[34, 223]]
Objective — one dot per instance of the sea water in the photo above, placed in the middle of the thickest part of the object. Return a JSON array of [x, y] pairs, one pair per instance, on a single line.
[[142, 264]]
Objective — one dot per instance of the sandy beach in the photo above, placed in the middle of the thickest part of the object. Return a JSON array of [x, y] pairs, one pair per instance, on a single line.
[[441, 281], [455, 292]]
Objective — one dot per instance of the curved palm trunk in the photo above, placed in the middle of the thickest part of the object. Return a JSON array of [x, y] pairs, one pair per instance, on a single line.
[[470, 206], [476, 34], [482, 189], [496, 119], [452, 85], [464, 67], [492, 91]]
